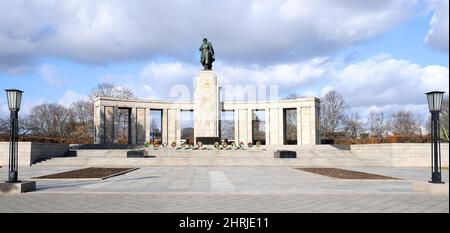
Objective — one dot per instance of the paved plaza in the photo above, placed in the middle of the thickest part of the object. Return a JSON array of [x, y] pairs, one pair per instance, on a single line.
[[227, 189], [219, 203]]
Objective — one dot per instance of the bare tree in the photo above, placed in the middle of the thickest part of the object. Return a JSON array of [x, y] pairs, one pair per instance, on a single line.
[[333, 109], [124, 123], [227, 129], [291, 125], [353, 126], [84, 111], [24, 125], [443, 119], [258, 126], [155, 130], [377, 124], [110, 90], [4, 125], [52, 120], [405, 123], [84, 119]]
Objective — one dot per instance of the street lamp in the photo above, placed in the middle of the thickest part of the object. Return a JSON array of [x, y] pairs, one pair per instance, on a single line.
[[434, 104], [14, 97]]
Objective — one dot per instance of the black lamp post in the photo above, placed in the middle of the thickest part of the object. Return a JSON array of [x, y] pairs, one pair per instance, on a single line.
[[14, 97], [435, 103]]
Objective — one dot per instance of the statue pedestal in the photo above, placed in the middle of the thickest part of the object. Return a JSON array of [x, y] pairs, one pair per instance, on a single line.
[[207, 107], [19, 187]]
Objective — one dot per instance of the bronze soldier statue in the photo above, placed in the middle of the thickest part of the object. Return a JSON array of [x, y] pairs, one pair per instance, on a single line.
[[207, 54]]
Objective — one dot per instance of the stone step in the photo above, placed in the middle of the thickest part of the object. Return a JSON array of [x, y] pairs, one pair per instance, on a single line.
[[202, 162], [208, 153], [103, 153], [318, 155]]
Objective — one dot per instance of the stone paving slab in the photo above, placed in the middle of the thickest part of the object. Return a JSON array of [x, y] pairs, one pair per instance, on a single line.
[[262, 180], [227, 189], [224, 203]]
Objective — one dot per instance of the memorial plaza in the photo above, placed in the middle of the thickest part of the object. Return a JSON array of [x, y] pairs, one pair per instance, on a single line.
[[214, 152], [227, 189], [211, 155]]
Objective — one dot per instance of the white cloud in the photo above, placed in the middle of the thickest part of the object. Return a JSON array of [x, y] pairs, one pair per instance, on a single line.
[[70, 97], [325, 90], [259, 32], [383, 80], [162, 79], [437, 36], [288, 74], [420, 110], [378, 83], [66, 100], [156, 79], [50, 75]]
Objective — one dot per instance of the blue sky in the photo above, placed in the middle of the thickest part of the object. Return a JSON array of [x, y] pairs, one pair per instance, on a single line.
[[381, 55]]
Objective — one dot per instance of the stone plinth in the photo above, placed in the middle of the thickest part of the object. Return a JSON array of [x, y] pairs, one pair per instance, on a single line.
[[206, 99], [285, 154], [440, 189], [31, 152], [20, 187]]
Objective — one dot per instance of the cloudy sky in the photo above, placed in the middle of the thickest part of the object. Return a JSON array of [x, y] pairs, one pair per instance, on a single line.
[[380, 54]]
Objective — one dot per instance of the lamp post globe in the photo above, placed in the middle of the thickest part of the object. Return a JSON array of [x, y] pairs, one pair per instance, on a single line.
[[14, 98], [434, 99]]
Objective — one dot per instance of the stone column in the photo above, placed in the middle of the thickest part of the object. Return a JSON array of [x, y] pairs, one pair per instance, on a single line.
[[178, 126], [133, 125], [236, 126], [99, 122], [306, 125], [164, 125], [141, 121], [115, 125], [317, 119], [313, 124], [249, 126], [172, 126], [243, 124], [274, 126], [280, 126], [147, 124], [206, 99]]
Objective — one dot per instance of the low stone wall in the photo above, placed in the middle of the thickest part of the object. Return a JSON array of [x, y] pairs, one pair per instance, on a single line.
[[30, 152], [399, 154]]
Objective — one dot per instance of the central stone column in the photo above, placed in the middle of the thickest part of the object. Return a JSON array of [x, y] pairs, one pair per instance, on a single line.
[[207, 107]]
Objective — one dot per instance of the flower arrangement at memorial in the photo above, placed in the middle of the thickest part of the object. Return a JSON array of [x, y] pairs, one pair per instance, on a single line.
[[147, 144], [156, 143], [241, 144], [233, 144], [216, 145], [224, 145], [258, 144], [174, 144], [199, 144], [250, 144]]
